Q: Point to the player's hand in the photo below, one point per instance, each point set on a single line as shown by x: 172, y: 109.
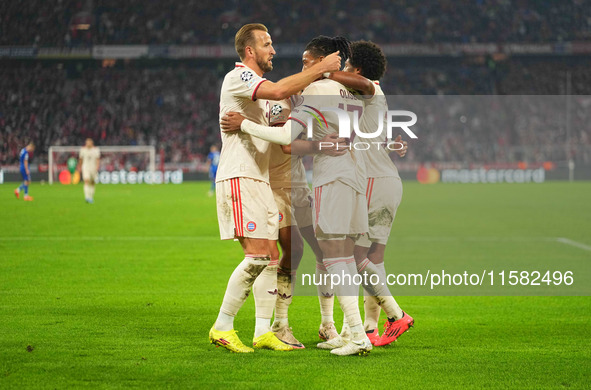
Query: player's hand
x: 330, y: 63
x: 332, y: 145
x: 231, y: 122
x: 401, y: 146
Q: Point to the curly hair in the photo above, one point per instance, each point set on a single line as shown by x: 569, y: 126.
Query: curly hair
x: 323, y: 46
x: 370, y: 58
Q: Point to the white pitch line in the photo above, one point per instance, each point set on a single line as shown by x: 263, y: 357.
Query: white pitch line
x: 573, y: 243
x: 110, y: 238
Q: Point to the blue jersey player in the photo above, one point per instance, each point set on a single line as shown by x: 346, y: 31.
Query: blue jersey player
x: 25, y: 171
x: 213, y: 158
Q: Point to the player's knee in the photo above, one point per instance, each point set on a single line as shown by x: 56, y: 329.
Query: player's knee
x: 297, y: 250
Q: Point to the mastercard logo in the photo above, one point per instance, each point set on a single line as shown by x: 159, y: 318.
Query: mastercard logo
x: 65, y: 177
x: 428, y: 175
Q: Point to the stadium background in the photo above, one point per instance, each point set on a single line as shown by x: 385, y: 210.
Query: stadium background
x: 122, y: 293
x: 69, y: 71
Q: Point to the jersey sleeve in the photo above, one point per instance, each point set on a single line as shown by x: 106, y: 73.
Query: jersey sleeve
x: 245, y: 83
x: 277, y: 135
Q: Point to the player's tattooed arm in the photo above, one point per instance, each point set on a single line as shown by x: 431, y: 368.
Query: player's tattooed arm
x: 291, y: 85
x: 355, y: 82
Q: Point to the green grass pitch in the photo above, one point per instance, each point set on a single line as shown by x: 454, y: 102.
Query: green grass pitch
x: 122, y: 294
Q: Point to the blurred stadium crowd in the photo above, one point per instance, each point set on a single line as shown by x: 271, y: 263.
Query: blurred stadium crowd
x: 176, y: 108
x: 57, y: 23
x: 174, y: 104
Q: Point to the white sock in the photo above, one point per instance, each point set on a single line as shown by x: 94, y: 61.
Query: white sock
x: 262, y: 326
x: 380, y: 289
x: 238, y: 289
x: 347, y: 293
x: 86, y: 191
x: 224, y: 322
x: 371, y: 307
x: 91, y: 191
x: 265, y: 296
x: 325, y: 294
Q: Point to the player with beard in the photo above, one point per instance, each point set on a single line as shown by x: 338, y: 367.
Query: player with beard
x: 245, y: 205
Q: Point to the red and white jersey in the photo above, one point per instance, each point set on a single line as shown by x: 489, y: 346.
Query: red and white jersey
x: 285, y: 170
x: 243, y: 155
x: 377, y: 161
x: 326, y: 93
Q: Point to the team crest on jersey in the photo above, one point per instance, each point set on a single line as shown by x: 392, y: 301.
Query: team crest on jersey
x: 251, y: 226
x: 280, y: 217
x: 246, y: 76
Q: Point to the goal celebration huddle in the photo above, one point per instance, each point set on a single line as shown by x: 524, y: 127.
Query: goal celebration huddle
x: 264, y: 202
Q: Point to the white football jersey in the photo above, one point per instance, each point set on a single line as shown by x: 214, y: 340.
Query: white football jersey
x: 377, y: 161
x: 285, y: 170
x: 89, y: 157
x: 243, y: 155
x: 327, y: 93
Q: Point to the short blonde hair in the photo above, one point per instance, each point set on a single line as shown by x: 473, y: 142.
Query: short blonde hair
x: 245, y: 37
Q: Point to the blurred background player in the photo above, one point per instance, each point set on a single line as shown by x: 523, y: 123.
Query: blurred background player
x: 384, y: 194
x: 25, y: 172
x: 213, y: 159
x: 245, y: 205
x: 89, y: 163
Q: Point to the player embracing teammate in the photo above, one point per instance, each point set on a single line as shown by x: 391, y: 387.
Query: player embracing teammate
x: 342, y: 198
x: 384, y: 194
x: 245, y: 205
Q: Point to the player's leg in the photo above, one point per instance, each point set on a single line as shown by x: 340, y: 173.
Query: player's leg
x: 386, y: 197
x: 212, y: 180
x: 398, y: 321
x: 241, y: 217
x: 92, y: 185
x: 86, y: 176
x: 342, y: 209
x: 341, y: 266
x: 284, y: 279
x: 26, y: 184
x: 327, y: 329
x: 265, y: 286
x: 371, y: 308
x: 256, y: 258
x: 86, y: 190
x: 17, y: 191
x: 292, y: 248
x: 265, y: 292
